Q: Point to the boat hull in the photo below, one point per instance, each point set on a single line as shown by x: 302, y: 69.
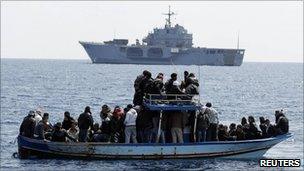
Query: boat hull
x: 31, y: 147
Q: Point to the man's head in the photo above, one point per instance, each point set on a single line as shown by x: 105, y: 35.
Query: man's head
x: 67, y: 115
x: 145, y: 72
x: 87, y: 109
x: 160, y: 76
x: 186, y: 73
x: 105, y: 108
x: 31, y: 113
x: 148, y: 75
x: 45, y: 117
x: 262, y: 120
x: 208, y: 104
x: 129, y: 106
x: 232, y: 126
x: 57, y: 126
x: 174, y: 76
x: 251, y: 119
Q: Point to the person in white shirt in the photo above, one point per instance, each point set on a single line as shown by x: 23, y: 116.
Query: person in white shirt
x: 38, y: 116
x: 130, y: 123
x: 212, y: 115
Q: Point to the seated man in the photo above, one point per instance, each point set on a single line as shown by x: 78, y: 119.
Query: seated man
x: 44, y: 128
x: 27, y: 126
x: 59, y: 134
x: 240, y: 134
x: 282, y: 124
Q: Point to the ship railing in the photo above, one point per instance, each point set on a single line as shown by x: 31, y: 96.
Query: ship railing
x: 172, y: 101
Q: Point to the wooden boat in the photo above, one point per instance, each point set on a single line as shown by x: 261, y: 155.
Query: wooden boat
x: 231, y: 149
x: 250, y: 149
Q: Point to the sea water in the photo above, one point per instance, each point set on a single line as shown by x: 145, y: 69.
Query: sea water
x: 56, y: 86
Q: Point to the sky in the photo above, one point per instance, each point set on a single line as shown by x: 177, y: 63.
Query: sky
x: 268, y: 31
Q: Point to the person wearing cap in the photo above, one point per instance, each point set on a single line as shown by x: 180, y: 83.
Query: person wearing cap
x: 130, y: 124
x: 27, y: 127
x: 85, y: 122
x: 105, y: 116
x: 67, y: 121
x: 116, y: 125
x: 44, y: 128
x: 60, y: 135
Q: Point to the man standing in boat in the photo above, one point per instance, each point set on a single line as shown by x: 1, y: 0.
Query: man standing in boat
x: 138, y: 95
x: 213, y: 119
x: 85, y: 121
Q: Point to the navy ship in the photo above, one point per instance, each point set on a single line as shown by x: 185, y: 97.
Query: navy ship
x: 171, y: 45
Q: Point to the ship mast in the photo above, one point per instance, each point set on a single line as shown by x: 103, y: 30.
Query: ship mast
x: 169, y: 14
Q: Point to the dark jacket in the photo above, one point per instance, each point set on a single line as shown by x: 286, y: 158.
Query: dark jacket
x: 67, y: 124
x: 202, y: 121
x: 263, y: 128
x: 105, y: 125
x: 61, y: 135
x: 137, y: 82
x: 253, y: 132
x: 39, y: 130
x: 222, y: 135
x: 27, y: 127
x: 271, y: 131
x: 192, y: 89
x: 157, y: 87
x: 85, y: 121
x: 282, y: 125
x: 116, y: 125
x: 240, y: 135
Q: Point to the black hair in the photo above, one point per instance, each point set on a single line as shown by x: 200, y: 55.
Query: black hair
x: 87, y: 109
x: 191, y: 75
x: 173, y: 75
x: 208, y: 104
x: 244, y: 121
x: 129, y: 106
x: 262, y: 119
x: 67, y: 113
x: 186, y: 73
x: 145, y: 72
x: 148, y: 75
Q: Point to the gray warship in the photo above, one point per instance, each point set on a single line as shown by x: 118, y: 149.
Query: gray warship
x: 171, y: 45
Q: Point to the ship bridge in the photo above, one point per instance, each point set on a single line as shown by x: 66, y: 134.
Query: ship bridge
x: 169, y: 36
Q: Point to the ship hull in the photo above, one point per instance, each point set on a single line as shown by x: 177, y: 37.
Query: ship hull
x: 148, y: 55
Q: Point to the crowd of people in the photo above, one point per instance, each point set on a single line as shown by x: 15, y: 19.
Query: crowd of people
x: 137, y: 124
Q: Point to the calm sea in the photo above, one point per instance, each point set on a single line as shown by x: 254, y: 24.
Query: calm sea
x: 69, y: 85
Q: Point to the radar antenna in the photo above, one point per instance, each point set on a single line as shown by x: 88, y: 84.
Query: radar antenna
x: 169, y: 14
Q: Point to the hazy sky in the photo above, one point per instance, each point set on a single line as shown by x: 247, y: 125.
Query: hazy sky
x: 269, y: 31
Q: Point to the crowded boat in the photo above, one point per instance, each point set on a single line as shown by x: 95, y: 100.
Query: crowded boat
x: 136, y: 123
